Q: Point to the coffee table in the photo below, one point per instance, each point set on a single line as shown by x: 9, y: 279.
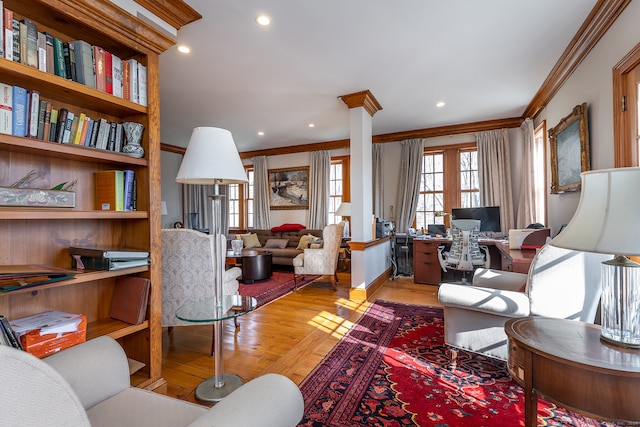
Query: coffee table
x: 256, y: 265
x: 215, y: 388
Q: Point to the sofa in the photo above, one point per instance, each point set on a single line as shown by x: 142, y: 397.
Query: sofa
x: 88, y: 384
x: 283, y: 242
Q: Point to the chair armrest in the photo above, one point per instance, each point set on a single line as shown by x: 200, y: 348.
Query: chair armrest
x: 485, y: 300
x: 498, y: 279
x: 271, y: 400
x: 96, y: 369
x: 231, y: 274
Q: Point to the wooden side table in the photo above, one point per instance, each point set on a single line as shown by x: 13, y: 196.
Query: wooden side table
x: 565, y: 362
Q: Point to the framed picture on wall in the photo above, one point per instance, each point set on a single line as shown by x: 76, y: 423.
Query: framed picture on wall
x: 569, y: 144
x: 289, y: 188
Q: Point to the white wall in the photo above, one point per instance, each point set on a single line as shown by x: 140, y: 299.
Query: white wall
x: 592, y: 83
x: 171, y: 193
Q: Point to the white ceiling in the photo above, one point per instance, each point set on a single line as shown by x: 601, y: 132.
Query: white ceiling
x: 485, y: 59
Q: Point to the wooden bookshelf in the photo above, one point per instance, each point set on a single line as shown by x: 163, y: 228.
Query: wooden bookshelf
x: 43, y: 235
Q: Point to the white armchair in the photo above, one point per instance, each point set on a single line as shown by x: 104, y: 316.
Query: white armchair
x: 88, y: 385
x: 187, y: 271
x: 324, y: 260
x: 561, y: 283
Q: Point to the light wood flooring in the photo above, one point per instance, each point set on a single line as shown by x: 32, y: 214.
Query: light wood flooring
x: 289, y: 336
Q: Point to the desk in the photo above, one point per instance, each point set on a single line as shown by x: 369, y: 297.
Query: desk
x: 565, y: 362
x: 220, y: 385
x: 426, y: 266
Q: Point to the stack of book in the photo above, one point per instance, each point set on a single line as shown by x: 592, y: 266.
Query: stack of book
x: 85, y: 258
x: 14, y: 277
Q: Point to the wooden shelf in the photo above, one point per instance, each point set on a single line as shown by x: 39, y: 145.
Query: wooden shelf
x: 67, y: 214
x: 114, y: 328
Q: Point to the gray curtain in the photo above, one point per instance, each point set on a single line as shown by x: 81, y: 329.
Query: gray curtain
x: 494, y: 172
x: 261, y: 217
x: 196, y: 199
x: 319, y: 173
x: 527, y: 200
x: 378, y: 180
x: 409, y: 183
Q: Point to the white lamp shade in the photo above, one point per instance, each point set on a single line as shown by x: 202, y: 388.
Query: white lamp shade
x: 608, y: 216
x: 344, y: 209
x: 211, y: 158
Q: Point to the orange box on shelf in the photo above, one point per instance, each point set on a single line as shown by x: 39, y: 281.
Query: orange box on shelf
x: 49, y: 332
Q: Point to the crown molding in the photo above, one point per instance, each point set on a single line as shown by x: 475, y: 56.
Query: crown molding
x: 363, y: 99
x: 176, y: 13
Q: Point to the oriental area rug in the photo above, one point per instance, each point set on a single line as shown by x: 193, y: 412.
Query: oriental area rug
x: 392, y: 369
x: 280, y: 284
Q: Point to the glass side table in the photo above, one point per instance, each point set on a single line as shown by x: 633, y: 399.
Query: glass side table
x: 216, y: 388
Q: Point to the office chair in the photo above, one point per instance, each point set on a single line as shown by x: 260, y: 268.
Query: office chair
x: 465, y: 253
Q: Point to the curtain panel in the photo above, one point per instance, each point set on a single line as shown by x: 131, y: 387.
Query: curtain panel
x: 195, y: 199
x: 409, y: 183
x: 378, y: 180
x: 527, y: 200
x: 319, y: 173
x: 261, y: 214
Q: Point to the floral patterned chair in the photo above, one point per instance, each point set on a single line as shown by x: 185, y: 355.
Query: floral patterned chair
x: 323, y: 260
x: 187, y: 271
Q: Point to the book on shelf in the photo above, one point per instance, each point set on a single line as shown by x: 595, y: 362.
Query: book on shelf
x: 108, y: 72
x: 42, y: 52
x: 14, y: 277
x: 46, y: 333
x: 59, y: 65
x: 108, y: 264
x: 134, y: 94
x: 29, y: 47
x: 1, y: 29
x: 69, y: 52
x: 20, y: 97
x: 62, y: 119
x: 126, y: 80
x: 16, y: 40
x: 66, y: 130
x: 119, y: 138
x: 53, y: 125
x: 84, y: 63
x: 109, y: 190
x: 130, y: 299
x: 34, y: 107
x: 47, y: 122
x: 42, y: 111
x: 7, y: 22
x: 99, y: 67
x: 114, y: 253
x: 9, y: 335
x: 6, y: 107
x: 22, y: 39
x: 116, y: 75
x: 128, y: 189
x: 50, y: 52
x: 142, y: 84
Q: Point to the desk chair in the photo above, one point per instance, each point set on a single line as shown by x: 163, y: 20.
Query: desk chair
x: 465, y: 253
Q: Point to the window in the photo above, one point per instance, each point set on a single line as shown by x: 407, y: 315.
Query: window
x: 338, y: 187
x: 240, y: 197
x: 539, y: 173
x: 234, y: 205
x: 626, y: 109
x: 248, y: 197
x: 449, y: 180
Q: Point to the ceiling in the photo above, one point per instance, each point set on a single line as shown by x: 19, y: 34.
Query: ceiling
x: 485, y: 59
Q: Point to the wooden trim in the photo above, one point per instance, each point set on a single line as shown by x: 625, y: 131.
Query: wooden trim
x: 623, y: 139
x: 359, y: 294
x: 361, y: 246
x: 331, y: 145
x: 363, y: 99
x: 176, y: 13
x: 602, y: 16
x: 172, y: 148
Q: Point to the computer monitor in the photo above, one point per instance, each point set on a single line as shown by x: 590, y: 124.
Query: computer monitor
x: 489, y: 216
x: 435, y: 229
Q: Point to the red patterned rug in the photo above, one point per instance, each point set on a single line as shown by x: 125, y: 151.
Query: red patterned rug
x: 279, y: 285
x: 391, y: 369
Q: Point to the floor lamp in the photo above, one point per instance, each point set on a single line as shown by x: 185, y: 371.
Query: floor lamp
x: 212, y: 159
x: 607, y: 221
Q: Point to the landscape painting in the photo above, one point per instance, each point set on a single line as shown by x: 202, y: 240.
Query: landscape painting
x: 289, y: 188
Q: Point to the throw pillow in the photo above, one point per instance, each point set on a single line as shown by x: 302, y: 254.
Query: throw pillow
x: 250, y: 240
x: 288, y: 227
x: 305, y: 241
x: 276, y: 243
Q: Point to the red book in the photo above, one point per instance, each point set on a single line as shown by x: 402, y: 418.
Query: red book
x: 108, y: 71
x: 99, y: 63
x: 130, y: 299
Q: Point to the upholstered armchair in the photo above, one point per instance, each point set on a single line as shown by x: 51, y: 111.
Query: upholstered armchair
x: 323, y: 260
x: 187, y: 271
x: 88, y: 385
x: 561, y: 283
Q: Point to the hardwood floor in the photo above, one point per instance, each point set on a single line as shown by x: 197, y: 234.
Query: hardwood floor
x: 289, y: 336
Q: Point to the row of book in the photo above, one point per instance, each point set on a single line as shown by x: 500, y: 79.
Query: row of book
x: 77, y: 60
x: 115, y: 190
x: 24, y: 113
x: 88, y: 258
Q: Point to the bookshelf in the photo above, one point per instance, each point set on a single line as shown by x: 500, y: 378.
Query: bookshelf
x: 43, y: 235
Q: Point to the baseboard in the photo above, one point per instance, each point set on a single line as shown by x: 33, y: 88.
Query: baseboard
x: 359, y: 294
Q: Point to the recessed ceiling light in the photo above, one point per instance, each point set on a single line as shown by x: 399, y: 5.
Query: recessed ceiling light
x: 263, y: 20
x: 440, y: 104
x: 261, y: 133
x: 184, y: 49
x: 311, y: 125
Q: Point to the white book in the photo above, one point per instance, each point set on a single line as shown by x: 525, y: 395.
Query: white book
x: 133, y: 81
x: 116, y: 72
x: 142, y: 84
x: 67, y: 127
x: 34, y: 110
x: 8, y: 37
x: 6, y: 108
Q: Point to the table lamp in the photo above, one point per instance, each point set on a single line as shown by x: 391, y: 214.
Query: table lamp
x: 608, y: 221
x: 344, y: 210
x: 212, y: 158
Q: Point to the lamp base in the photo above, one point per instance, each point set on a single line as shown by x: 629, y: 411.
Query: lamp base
x: 621, y: 302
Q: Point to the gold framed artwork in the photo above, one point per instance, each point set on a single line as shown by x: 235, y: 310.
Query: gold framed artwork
x: 569, y: 144
x: 289, y: 188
